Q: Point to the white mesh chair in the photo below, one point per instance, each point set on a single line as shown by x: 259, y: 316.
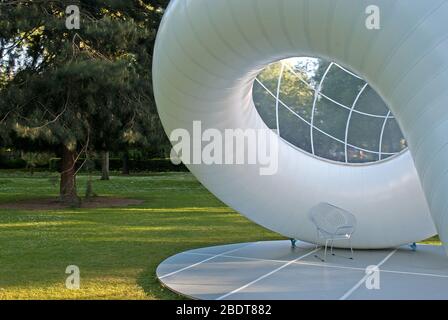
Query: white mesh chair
x: 332, y: 224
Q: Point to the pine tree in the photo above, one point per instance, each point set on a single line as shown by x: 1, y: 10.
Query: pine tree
x: 77, y: 90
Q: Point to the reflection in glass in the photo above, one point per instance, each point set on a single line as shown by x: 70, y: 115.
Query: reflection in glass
x: 341, y: 86
x: 365, y: 131
x: 328, y: 148
x: 293, y: 130
x: 327, y: 110
x: 360, y: 156
x: 328, y: 117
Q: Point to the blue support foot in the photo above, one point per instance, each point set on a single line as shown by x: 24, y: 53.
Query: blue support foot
x: 293, y: 243
x: 413, y: 246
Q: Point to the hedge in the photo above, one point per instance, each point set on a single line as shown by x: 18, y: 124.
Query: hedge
x: 115, y: 164
x: 12, y: 164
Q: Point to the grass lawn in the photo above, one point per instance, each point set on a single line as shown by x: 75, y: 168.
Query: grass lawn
x: 116, y: 249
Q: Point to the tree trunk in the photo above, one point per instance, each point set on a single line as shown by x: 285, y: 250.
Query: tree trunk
x: 104, y: 165
x: 125, y: 159
x: 67, y: 192
x: 89, y: 187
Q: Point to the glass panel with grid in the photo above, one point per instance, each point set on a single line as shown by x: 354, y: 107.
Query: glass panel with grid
x: 327, y: 110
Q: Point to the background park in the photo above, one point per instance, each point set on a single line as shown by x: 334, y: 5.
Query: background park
x: 85, y: 175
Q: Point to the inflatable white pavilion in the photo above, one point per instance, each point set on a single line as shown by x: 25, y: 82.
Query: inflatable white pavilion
x: 208, y: 59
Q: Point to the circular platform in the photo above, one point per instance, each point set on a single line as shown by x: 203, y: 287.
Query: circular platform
x: 271, y: 270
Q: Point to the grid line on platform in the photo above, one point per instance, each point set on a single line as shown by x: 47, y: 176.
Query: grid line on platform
x: 266, y: 275
x: 202, y: 261
x: 289, y: 273
x: 363, y: 280
x: 306, y: 263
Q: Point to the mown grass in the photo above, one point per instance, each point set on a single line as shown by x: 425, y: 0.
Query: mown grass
x: 116, y: 249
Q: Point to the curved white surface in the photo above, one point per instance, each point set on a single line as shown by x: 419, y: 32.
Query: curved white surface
x: 206, y: 58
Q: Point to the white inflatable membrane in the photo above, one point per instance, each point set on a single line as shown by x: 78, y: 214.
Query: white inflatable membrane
x: 208, y: 53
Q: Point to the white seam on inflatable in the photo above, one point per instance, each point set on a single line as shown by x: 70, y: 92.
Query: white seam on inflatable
x: 409, y: 70
x: 206, y: 48
x: 389, y: 58
x: 220, y: 36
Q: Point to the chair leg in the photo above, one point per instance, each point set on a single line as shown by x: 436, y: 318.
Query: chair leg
x: 317, y: 239
x: 351, y: 247
x: 326, y: 246
x: 342, y: 255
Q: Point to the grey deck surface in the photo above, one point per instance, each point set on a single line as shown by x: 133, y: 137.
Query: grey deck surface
x: 273, y: 270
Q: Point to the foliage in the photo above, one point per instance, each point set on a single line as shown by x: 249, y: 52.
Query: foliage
x: 78, y: 90
x: 293, y: 93
x: 91, y: 85
x: 115, y: 164
x: 34, y: 159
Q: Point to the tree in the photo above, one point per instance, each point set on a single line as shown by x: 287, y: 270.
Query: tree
x: 105, y: 165
x: 75, y: 91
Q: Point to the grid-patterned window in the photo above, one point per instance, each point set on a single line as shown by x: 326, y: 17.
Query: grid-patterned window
x: 327, y: 110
